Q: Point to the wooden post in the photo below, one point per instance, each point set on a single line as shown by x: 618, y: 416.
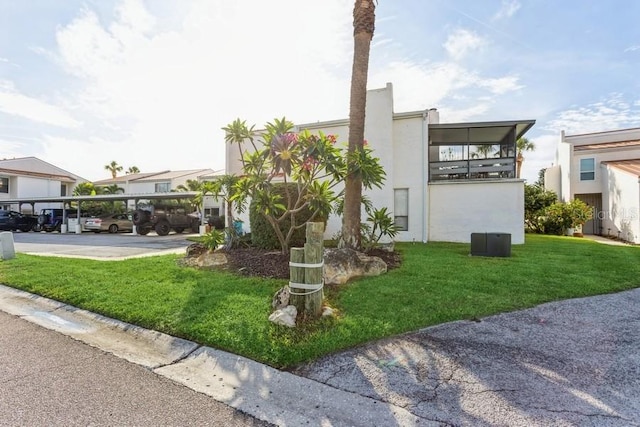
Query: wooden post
x: 308, y: 299
x: 313, y: 254
x: 296, y: 275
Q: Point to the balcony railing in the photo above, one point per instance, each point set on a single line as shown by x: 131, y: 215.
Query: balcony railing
x: 496, y: 168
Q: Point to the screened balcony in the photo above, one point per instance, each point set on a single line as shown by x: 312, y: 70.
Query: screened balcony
x: 474, y: 151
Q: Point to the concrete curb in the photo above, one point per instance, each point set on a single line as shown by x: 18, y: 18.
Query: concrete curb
x: 263, y: 392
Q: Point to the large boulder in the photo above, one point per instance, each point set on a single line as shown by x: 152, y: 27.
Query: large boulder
x: 341, y: 265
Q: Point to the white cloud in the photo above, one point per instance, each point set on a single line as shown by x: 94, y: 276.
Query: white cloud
x: 632, y: 48
x: 461, y: 42
x: 501, y: 85
x: 150, y: 87
x: 14, y: 103
x: 507, y: 9
x: 611, y: 113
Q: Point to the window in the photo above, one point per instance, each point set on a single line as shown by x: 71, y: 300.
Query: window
x: 587, y: 169
x: 401, y: 208
x: 4, y: 185
x: 63, y: 189
x: 163, y: 187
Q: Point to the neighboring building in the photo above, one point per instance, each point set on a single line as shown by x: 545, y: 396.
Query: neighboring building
x: 603, y: 170
x: 443, y: 181
x: 163, y: 182
x: 31, y: 177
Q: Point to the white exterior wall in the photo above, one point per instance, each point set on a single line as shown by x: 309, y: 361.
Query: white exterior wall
x: 552, y: 180
x: 379, y: 135
x: 563, y: 160
x: 621, y: 204
x: 410, y: 139
x: 458, y: 209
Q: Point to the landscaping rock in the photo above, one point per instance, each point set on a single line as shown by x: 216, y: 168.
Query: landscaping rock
x: 206, y: 260
x: 341, y: 265
x: 196, y: 249
x: 281, y: 298
x: 285, y: 316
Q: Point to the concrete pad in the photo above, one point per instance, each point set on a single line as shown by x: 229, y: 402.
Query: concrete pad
x: 279, y: 397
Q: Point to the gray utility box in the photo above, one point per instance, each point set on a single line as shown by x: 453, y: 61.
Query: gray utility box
x: 491, y: 244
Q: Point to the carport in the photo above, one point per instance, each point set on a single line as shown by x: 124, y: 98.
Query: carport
x: 66, y: 201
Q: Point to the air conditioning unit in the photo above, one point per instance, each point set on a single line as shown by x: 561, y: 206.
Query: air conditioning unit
x: 491, y: 244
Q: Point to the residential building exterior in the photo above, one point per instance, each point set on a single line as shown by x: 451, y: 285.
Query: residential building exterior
x: 162, y: 182
x: 603, y: 170
x: 31, y: 177
x: 444, y: 181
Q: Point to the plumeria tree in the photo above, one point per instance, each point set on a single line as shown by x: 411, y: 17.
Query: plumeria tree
x: 313, y: 163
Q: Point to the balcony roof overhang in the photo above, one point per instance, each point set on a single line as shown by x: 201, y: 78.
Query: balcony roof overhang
x: 477, y: 132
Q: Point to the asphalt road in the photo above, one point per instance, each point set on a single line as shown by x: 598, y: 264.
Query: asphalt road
x: 101, y: 246
x: 47, y: 379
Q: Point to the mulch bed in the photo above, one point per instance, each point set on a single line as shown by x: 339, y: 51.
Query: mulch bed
x: 273, y: 264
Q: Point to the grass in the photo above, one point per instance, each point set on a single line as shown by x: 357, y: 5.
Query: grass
x: 438, y: 282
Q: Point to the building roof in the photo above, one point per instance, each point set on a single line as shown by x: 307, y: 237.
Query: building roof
x: 154, y: 176
x: 605, y: 145
x: 631, y: 166
x: 32, y: 166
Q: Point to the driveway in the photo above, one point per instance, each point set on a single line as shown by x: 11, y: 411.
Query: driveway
x: 100, y: 246
x: 568, y: 363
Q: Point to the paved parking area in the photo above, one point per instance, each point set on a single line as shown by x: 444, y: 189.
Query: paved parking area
x: 101, y: 246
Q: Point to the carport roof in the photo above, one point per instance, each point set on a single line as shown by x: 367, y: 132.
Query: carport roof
x: 104, y: 197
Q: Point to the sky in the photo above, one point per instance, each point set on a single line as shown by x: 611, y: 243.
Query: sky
x: 151, y: 83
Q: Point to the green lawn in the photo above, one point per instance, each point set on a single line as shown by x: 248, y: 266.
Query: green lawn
x: 438, y: 282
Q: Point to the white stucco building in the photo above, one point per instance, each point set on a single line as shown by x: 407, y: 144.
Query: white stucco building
x: 27, y: 177
x: 164, y: 182
x: 603, y: 170
x: 444, y: 181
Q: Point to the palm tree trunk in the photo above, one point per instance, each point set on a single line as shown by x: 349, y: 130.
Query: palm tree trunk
x: 519, y: 160
x: 363, y: 24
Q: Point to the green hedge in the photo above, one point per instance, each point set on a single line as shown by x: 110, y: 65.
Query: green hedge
x: 263, y: 235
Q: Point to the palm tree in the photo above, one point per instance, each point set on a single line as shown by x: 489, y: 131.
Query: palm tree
x: 522, y: 144
x: 364, y: 18
x: 114, y: 168
x: 482, y: 150
x: 112, y: 189
x: 190, y: 185
x: 236, y: 133
x: 84, y: 189
x: 132, y: 170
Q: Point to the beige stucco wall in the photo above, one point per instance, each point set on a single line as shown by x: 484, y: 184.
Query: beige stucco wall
x: 459, y: 209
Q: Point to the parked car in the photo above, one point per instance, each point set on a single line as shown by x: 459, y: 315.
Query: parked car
x: 112, y: 223
x: 50, y: 220
x: 12, y: 221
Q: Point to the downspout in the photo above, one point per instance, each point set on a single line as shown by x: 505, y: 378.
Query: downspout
x: 425, y: 192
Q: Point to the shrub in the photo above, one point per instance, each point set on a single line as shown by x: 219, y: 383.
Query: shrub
x: 560, y: 216
x: 263, y: 234
x: 213, y: 239
x: 216, y: 221
x: 536, y: 200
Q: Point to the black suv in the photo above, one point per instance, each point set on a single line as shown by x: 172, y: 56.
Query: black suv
x: 163, y: 219
x: 12, y: 221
